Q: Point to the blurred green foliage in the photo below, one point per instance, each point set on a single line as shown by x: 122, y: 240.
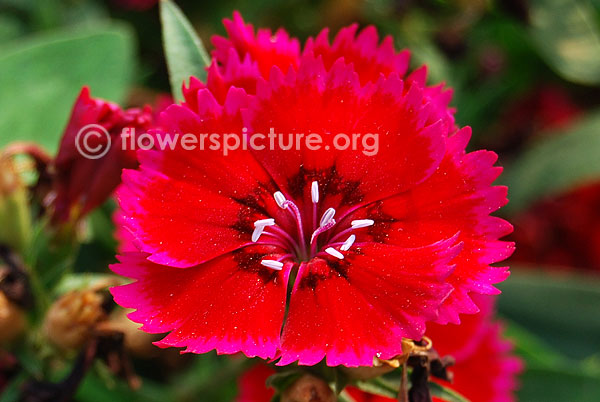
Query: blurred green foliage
x: 40, y: 77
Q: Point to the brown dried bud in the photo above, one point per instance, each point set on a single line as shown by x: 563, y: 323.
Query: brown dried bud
x: 137, y: 342
x: 308, y: 388
x: 71, y: 319
x: 12, y: 320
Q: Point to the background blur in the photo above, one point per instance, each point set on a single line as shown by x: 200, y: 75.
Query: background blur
x: 526, y: 75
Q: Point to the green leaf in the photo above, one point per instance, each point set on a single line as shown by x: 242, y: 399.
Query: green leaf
x: 94, y: 389
x: 563, y: 161
x: 339, y: 381
x: 560, y: 309
x: 567, y: 36
x: 10, y: 28
x: 558, y: 385
x: 211, y: 377
x: 184, y: 51
x: 41, y: 77
x: 527, y: 345
x: 550, y: 376
x: 342, y: 397
x: 378, y: 386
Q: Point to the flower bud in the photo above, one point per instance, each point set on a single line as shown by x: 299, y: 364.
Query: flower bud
x: 15, y: 230
x: 71, y: 320
x: 91, y: 156
x: 308, y: 388
x: 12, y: 320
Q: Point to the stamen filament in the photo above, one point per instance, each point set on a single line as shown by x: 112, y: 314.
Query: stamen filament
x: 341, y: 234
x: 290, y: 206
x: 285, y: 256
x: 283, y: 238
x: 316, y: 233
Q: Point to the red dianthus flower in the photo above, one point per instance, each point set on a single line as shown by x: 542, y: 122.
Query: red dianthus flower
x: 371, y: 247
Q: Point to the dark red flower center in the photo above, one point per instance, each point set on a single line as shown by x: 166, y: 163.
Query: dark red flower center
x: 325, y: 238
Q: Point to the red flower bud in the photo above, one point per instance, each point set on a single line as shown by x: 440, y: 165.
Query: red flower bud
x: 90, y: 159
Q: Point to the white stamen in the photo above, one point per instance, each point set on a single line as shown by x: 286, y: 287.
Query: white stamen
x: 257, y: 232
x: 264, y: 222
x: 327, y: 216
x: 314, y: 192
x: 280, y: 199
x: 348, y: 243
x: 333, y: 252
x: 276, y: 265
x: 362, y: 223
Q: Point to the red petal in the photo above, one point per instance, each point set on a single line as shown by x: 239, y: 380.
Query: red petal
x: 229, y: 304
x: 457, y: 198
x: 266, y: 48
x: 252, y: 387
x: 353, y: 309
x: 460, y: 341
x: 369, y: 58
x: 188, y: 206
x: 332, y: 102
x: 489, y: 374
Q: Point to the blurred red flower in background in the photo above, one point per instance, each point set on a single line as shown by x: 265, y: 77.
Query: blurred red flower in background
x: 562, y: 232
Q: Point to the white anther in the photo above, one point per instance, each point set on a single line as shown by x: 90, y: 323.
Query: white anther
x: 348, y: 243
x: 362, y: 223
x: 333, y: 252
x: 327, y: 216
x: 280, y: 199
x: 264, y: 222
x: 257, y: 232
x: 314, y: 192
x: 276, y: 265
